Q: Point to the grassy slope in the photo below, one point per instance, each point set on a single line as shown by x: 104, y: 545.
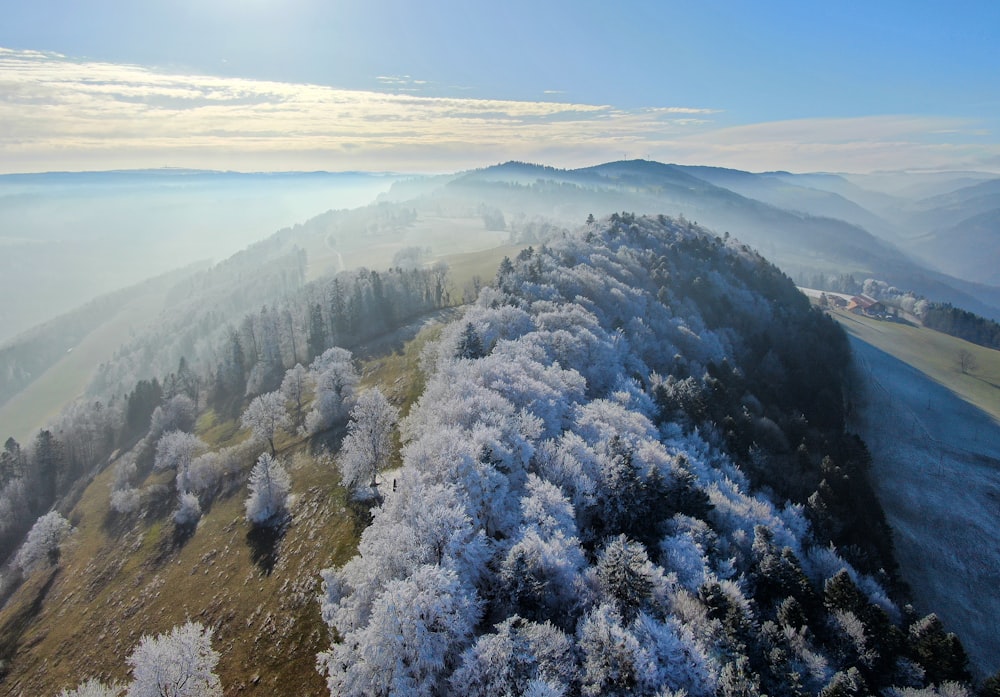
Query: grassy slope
x: 446, y: 237
x: 121, y: 579
x: 39, y: 402
x: 935, y: 460
x: 466, y: 266
x: 934, y: 354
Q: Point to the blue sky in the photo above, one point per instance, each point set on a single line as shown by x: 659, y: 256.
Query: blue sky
x: 435, y: 86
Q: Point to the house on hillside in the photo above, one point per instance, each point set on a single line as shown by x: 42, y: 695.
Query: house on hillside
x: 866, y: 305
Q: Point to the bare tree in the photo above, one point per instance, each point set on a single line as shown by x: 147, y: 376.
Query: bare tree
x: 966, y: 361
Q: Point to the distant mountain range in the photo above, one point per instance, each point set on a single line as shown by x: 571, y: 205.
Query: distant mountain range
x: 807, y: 224
x: 68, y: 237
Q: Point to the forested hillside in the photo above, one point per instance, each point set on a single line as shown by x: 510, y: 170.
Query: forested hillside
x: 628, y: 475
x: 230, y: 333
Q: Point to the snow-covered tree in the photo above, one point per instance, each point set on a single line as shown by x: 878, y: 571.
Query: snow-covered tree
x: 179, y: 663
x: 417, y: 629
x: 44, y: 541
x: 293, y: 388
x: 125, y: 470
x: 615, y: 663
x: 513, y: 657
x: 188, y: 509
x: 368, y: 444
x: 269, y: 488
x: 176, y: 414
x: 126, y: 500
x: 265, y: 416
x: 176, y: 450
x: 335, y: 377
x: 626, y: 576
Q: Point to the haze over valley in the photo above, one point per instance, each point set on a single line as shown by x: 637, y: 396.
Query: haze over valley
x: 559, y: 350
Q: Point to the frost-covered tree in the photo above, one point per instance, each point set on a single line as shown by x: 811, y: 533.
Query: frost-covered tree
x: 265, y: 416
x: 176, y: 414
x: 417, y: 628
x: 127, y: 500
x: 368, y: 444
x: 179, y: 663
x: 176, y: 450
x: 269, y: 489
x: 513, y: 657
x: 470, y: 345
x: 188, y: 509
x: 626, y: 576
x: 614, y: 661
x: 44, y: 541
x: 335, y: 377
x: 125, y: 470
x: 293, y: 388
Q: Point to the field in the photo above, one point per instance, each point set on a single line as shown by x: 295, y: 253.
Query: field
x: 444, y: 237
x: 934, y: 354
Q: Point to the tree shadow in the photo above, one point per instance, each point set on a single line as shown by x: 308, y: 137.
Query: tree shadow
x: 264, y: 542
x: 19, y: 621
x: 182, y: 533
x: 361, y: 512
x: 328, y: 440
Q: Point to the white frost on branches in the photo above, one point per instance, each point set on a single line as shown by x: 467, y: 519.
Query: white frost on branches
x: 368, y: 444
x: 269, y: 488
x: 265, y: 416
x: 336, y: 378
x: 179, y: 663
x: 188, y: 510
x: 43, y: 541
x: 94, y: 688
x: 176, y: 450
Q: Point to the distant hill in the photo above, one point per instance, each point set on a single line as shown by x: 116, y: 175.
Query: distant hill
x: 68, y: 237
x: 798, y: 193
x: 970, y: 248
x: 799, y: 241
x: 948, y: 210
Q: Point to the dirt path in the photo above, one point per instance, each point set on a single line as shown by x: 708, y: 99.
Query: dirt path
x: 937, y: 473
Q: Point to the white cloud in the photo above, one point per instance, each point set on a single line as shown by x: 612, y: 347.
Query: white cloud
x: 859, y: 144
x: 59, y: 113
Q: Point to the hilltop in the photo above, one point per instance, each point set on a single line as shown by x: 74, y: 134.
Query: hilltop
x: 627, y: 458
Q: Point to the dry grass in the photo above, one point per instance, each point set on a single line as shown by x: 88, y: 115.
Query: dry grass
x: 124, y: 577
x: 482, y: 265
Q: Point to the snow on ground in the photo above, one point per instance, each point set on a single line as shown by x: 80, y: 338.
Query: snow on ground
x: 937, y: 472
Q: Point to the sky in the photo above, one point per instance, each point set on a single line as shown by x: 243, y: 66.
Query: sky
x: 393, y: 85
